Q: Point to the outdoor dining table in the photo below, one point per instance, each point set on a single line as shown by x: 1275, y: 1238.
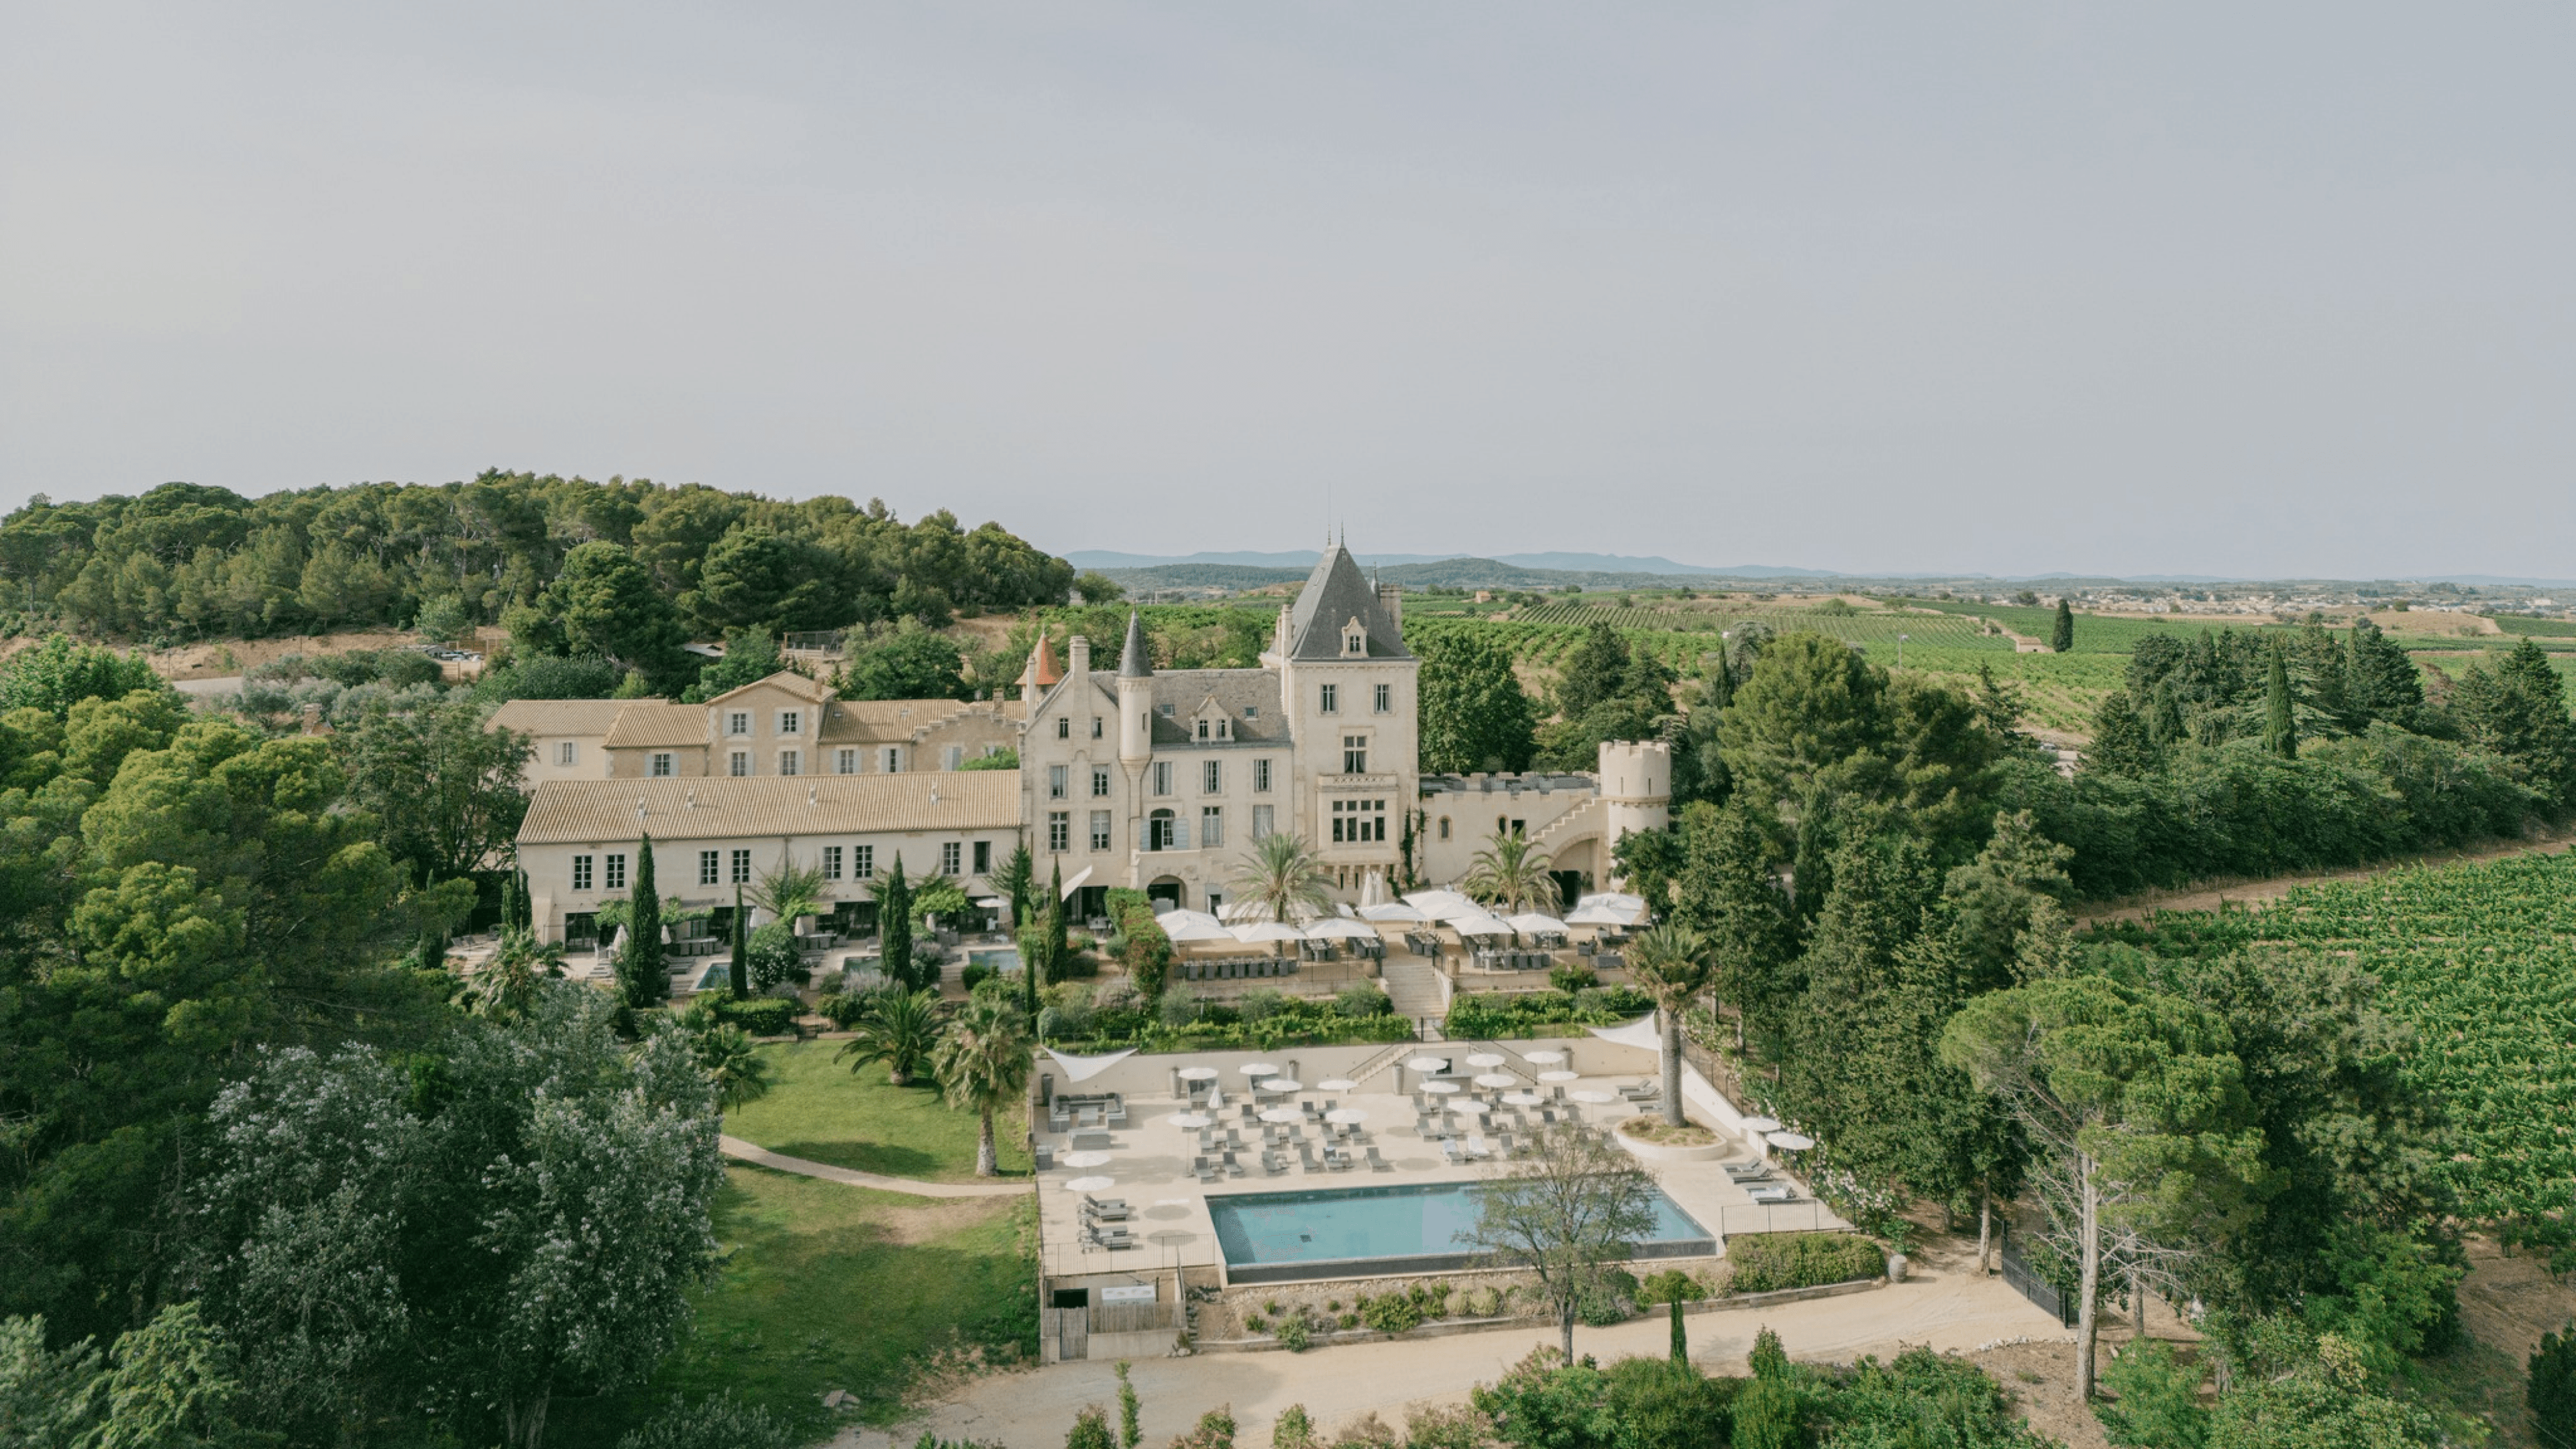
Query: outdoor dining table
x: 1497, y: 1080
x: 1559, y: 1075
x: 1440, y: 1089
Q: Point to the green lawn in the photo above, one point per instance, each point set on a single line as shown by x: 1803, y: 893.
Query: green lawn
x: 820, y: 1110
x: 829, y: 1287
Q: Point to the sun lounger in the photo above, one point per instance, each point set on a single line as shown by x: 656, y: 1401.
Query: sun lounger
x: 1772, y: 1192
x: 1108, y: 1207
x: 1377, y: 1163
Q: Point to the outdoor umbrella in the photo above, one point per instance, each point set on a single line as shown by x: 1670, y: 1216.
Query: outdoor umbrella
x: 1532, y: 923
x: 1440, y: 905
x: 1790, y: 1141
x: 1496, y: 1080
x: 1335, y: 1084
x: 1090, y: 1184
x: 1596, y: 916
x: 1393, y: 911
x: 1186, y: 932
x: 1761, y: 1124
x: 1267, y: 931
x: 1426, y: 1064
x: 1337, y: 928
x: 1484, y: 1059
x: 1480, y: 926
x: 1169, y: 919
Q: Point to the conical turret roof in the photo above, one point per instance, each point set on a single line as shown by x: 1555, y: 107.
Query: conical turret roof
x: 1134, y: 660
x: 1335, y: 594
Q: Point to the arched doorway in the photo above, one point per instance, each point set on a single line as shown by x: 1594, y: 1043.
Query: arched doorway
x: 1168, y: 892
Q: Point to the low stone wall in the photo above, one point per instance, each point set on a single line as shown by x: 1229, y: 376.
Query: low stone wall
x: 1448, y: 1327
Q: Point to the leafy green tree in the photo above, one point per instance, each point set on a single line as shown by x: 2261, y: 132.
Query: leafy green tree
x: 2551, y: 1394
x: 1129, y: 1432
x: 2329, y: 1400
x: 2061, y: 635
x: 726, y: 1053
x: 1671, y: 964
x: 758, y: 576
x: 982, y: 1065
x: 1999, y: 899
x: 2381, y: 681
x: 912, y: 663
x: 1017, y: 882
x: 1090, y: 1429
x: 1474, y: 714
x: 896, y: 1028
x: 609, y: 607
x: 1728, y: 891
x: 751, y: 655
x: 447, y: 791
x: 529, y: 675
x: 2156, y: 1399
x: 2135, y: 1108
x: 1597, y: 670
x: 1097, y: 588
x: 1813, y: 720
x: 2123, y: 744
x: 2518, y: 710
x: 1569, y: 1212
x: 59, y: 673
x: 643, y: 968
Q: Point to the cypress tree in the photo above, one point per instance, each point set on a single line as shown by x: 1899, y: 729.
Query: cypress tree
x: 510, y: 900
x: 894, y: 928
x: 2062, y: 637
x: 739, y: 976
x: 2280, y: 722
x: 643, y: 966
x: 1681, y: 1336
x: 1059, y: 950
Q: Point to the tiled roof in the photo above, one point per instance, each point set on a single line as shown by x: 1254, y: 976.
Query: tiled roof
x: 786, y: 679
x: 579, y: 812
x: 651, y: 723
x: 867, y: 721
x: 560, y: 716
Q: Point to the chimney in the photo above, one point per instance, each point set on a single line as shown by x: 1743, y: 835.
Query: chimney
x: 1390, y: 601
x: 1078, y: 653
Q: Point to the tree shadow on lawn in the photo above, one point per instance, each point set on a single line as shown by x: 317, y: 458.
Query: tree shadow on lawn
x: 887, y: 1158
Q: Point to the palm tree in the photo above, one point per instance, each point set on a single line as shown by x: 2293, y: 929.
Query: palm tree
x: 982, y: 1063
x: 506, y: 986
x: 898, y: 1028
x: 736, y: 1068
x: 789, y: 891
x: 1510, y: 875
x: 1280, y: 874
x: 1671, y: 964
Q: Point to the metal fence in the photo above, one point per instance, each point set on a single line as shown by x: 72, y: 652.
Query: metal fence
x: 2026, y: 1281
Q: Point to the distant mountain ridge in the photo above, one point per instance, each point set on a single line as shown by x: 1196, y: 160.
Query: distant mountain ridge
x: 1572, y: 563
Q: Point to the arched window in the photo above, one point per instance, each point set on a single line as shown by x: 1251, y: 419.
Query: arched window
x: 1158, y: 830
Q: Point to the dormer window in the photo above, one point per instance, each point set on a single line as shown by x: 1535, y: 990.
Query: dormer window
x: 1355, y: 642
x: 1164, y: 710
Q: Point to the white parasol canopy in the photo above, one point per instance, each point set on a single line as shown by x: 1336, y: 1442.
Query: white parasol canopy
x: 1468, y: 1109
x: 1198, y: 1074
x: 1259, y: 1069
x: 1441, y: 905
x: 1596, y: 916
x: 1346, y: 1115
x: 1254, y: 931
x: 1479, y: 926
x: 1283, y: 1084
x: 1373, y: 889
x: 1544, y: 1057
x: 1335, y: 1084
x: 1340, y: 928
x: 1394, y: 912
x: 1792, y: 1141
x: 1484, y: 1059
x: 1086, y: 1159
x: 1761, y: 1124
x: 1189, y: 931
x: 1559, y: 1074
x: 1440, y: 1089
x: 1521, y: 1099
x: 1192, y: 1120
x: 1497, y: 1080
x: 1090, y: 1184
x: 1426, y: 1064
x: 1177, y: 917
x: 1531, y: 923
x: 1616, y: 900
x: 1282, y: 1116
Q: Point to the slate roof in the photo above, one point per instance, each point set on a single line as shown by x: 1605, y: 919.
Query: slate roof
x: 582, y: 812
x: 1335, y: 593
x: 1135, y: 661
x: 1234, y: 690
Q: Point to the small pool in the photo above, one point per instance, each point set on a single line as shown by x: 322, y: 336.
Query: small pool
x: 1002, y: 959
x: 1278, y: 1237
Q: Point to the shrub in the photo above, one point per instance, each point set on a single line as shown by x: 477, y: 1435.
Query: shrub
x: 1771, y: 1262
x: 1360, y: 999
x: 1177, y: 1009
x: 1090, y: 1429
x: 1293, y: 1333
x: 1573, y: 978
x: 760, y: 1016
x: 774, y: 959
x: 1672, y: 1285
x: 717, y: 1423
x: 1261, y: 1002
x: 2157, y: 1404
x: 1348, y: 1321
x: 1484, y: 1303
x: 975, y: 974
x: 1293, y: 1430
x: 1391, y: 1312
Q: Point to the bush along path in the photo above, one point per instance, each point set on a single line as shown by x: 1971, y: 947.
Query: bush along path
x: 758, y: 1156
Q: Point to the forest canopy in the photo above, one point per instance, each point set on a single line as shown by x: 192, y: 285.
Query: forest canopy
x: 190, y: 561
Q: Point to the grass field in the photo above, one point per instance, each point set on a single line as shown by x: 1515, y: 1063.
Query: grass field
x: 2059, y: 691
x: 829, y: 1287
x: 821, y: 1111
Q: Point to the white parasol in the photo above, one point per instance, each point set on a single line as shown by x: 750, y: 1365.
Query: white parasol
x: 1531, y: 923
x: 1559, y: 1075
x: 1426, y: 1064
x: 1283, y: 1115
x: 1468, y: 1109
x: 1188, y: 932
x: 1283, y: 1084
x: 1090, y: 1184
x: 1192, y: 1120
x: 1335, y: 1084
x: 1086, y: 1159
x: 1440, y: 1089
x: 1521, y: 1099
x: 1761, y: 1124
x: 1174, y: 918
x: 1790, y: 1141
x: 1198, y: 1074
x: 1259, y: 1069
x: 1545, y: 1058
x: 1339, y: 928
x: 1267, y: 931
x: 1479, y: 925
x: 1346, y: 1115
x: 1393, y: 912
x: 1484, y: 1059
x: 1497, y: 1080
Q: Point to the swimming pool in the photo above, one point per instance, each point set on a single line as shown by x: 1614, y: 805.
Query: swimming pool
x: 1278, y: 1237
x: 1003, y: 960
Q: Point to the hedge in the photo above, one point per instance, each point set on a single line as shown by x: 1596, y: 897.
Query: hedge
x: 761, y: 1016
x: 1491, y: 1015
x: 1770, y: 1262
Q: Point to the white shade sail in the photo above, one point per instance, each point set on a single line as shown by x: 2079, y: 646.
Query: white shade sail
x: 1077, y: 1069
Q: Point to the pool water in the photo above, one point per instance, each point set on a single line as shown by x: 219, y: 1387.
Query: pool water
x: 1271, y: 1237
x: 1003, y: 959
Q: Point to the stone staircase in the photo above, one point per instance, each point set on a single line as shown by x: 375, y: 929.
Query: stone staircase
x: 1413, y: 984
x: 1583, y: 819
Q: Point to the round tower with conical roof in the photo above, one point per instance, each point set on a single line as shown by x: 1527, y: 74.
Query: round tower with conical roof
x: 1135, y: 695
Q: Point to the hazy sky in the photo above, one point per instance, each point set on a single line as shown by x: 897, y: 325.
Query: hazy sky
x: 2228, y: 289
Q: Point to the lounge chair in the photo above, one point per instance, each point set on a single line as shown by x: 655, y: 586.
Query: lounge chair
x: 1233, y: 1165
x: 1274, y: 1163
x: 1045, y: 1155
x: 1112, y: 1238
x: 1203, y: 1170
x: 1449, y: 1149
x: 1110, y: 1207
x: 1377, y: 1163
x: 1771, y: 1192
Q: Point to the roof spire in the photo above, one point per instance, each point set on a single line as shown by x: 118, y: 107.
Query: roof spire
x: 1134, y: 661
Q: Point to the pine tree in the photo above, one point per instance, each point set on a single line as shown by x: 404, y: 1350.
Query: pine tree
x: 739, y: 976
x: 2062, y: 637
x: 2280, y: 720
x: 2122, y: 742
x: 643, y: 968
x: 1726, y: 891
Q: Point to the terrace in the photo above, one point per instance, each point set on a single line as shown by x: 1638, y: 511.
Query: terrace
x: 1161, y: 1171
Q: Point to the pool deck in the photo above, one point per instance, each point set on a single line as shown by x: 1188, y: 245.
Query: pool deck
x: 1149, y: 1162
